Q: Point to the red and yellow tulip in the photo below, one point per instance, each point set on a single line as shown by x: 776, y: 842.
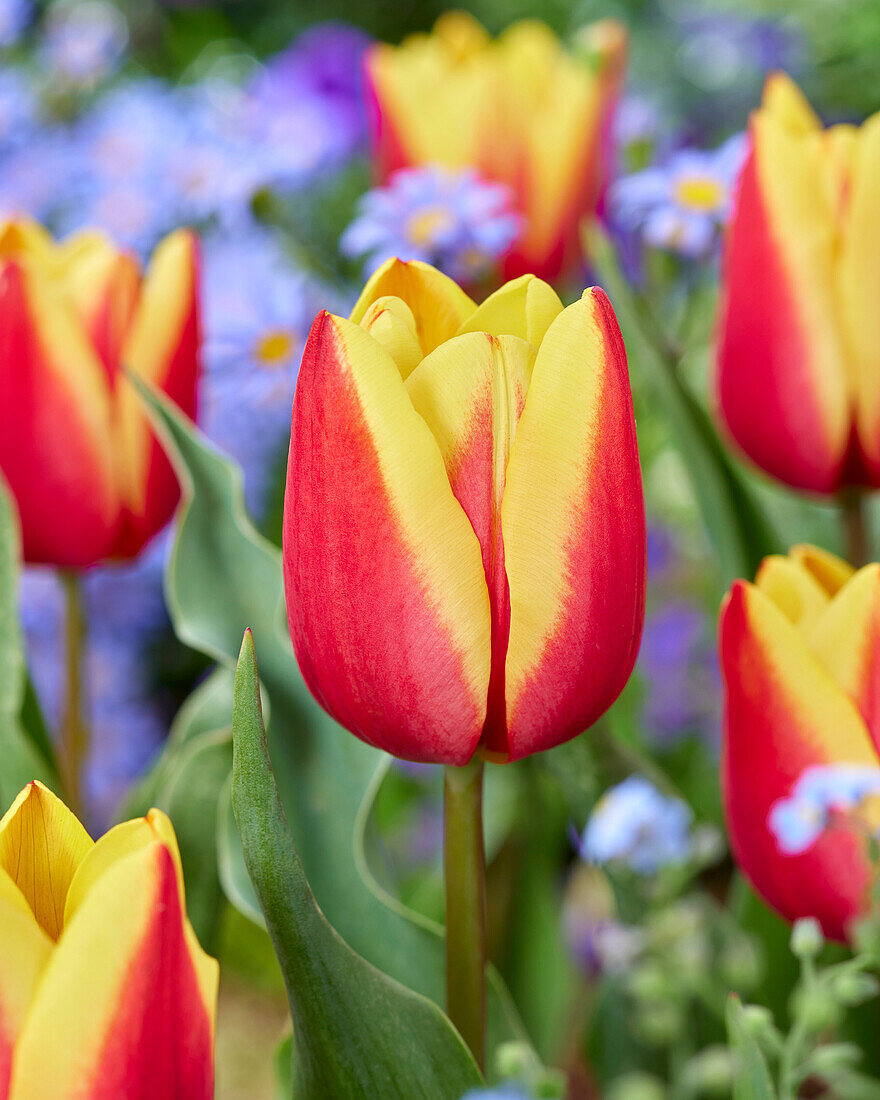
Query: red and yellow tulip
x: 464, y: 539
x: 800, y: 656
x: 521, y: 110
x: 104, y: 990
x: 89, y: 476
x: 799, y: 350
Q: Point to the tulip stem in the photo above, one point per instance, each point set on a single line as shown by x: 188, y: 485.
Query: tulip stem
x: 855, y: 527
x: 74, y: 733
x: 465, y: 871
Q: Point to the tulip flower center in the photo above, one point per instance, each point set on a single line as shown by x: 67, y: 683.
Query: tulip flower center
x: 702, y: 193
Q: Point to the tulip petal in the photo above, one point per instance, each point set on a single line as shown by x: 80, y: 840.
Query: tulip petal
x: 846, y: 640
x: 386, y: 596
x: 859, y: 277
x: 55, y: 424
x: 439, y: 306
x: 784, y: 713
x: 574, y: 534
x: 793, y: 588
x: 830, y: 571
x: 163, y: 348
x: 391, y: 323
x: 782, y: 376
x: 24, y: 951
x: 471, y: 392
x: 125, y: 1006
x: 41, y: 845
x: 524, y: 307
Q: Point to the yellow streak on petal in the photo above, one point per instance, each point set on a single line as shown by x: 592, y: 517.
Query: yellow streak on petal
x: 828, y: 569
x: 844, y: 637
x: 793, y: 588
x: 41, y: 846
x: 390, y: 321
x: 438, y: 305
x: 524, y: 307
x: 24, y: 951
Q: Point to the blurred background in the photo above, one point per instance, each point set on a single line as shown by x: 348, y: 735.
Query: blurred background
x: 246, y: 119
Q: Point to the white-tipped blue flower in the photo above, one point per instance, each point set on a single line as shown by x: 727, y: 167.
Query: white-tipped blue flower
x: 456, y: 221
x: 821, y: 792
x: 681, y: 205
x: 637, y: 825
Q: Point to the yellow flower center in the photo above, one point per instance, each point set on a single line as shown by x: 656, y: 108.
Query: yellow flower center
x: 274, y: 347
x: 424, y: 226
x: 699, y: 193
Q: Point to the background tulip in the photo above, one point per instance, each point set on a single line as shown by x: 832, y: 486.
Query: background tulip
x: 90, y: 479
x: 520, y: 109
x: 799, y: 344
x: 800, y: 654
x: 464, y: 541
x: 104, y: 990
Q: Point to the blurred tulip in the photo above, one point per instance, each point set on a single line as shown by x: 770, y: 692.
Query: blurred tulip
x: 89, y: 476
x: 104, y: 990
x: 800, y: 656
x: 520, y: 110
x: 464, y: 532
x: 799, y: 350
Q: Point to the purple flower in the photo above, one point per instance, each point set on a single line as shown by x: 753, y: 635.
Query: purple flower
x: 635, y: 824
x: 681, y: 205
x: 821, y: 792
x: 15, y: 16
x: 453, y: 220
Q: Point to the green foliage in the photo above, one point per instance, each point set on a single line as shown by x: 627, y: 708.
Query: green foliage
x: 356, y: 1033
x: 24, y: 747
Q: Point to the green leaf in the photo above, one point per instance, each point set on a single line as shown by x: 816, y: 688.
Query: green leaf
x: 24, y: 747
x: 752, y: 1079
x: 737, y: 524
x: 356, y: 1032
x: 222, y: 578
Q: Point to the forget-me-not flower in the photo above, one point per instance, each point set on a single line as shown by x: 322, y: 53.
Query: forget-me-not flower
x: 821, y: 792
x: 635, y: 824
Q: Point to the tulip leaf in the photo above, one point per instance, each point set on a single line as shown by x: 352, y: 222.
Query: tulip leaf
x: 222, y: 578
x: 356, y: 1032
x: 24, y: 747
x: 736, y: 522
x: 752, y: 1078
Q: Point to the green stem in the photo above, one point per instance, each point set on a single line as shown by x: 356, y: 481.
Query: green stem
x: 855, y: 527
x: 74, y: 733
x: 465, y: 871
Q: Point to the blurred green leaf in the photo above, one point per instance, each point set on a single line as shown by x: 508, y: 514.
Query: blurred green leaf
x: 223, y: 577
x: 752, y: 1078
x: 24, y: 747
x: 740, y: 530
x: 356, y: 1032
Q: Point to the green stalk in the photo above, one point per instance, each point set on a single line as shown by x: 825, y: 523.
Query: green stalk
x: 74, y: 733
x: 855, y: 527
x: 465, y: 872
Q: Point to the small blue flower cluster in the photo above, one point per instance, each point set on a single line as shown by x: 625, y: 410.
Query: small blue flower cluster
x: 822, y: 793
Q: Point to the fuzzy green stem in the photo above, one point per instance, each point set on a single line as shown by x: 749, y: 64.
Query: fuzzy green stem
x: 465, y: 871
x: 855, y: 527
x: 74, y: 733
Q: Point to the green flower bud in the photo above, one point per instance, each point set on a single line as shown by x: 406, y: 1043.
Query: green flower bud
x: 816, y: 1009
x: 636, y: 1086
x: 806, y: 938
x: 710, y: 1072
x: 827, y: 1061
x: 659, y: 1023
x: 853, y: 988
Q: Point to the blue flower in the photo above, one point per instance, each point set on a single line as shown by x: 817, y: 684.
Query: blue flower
x: 15, y: 16
x: 637, y: 825
x: 84, y: 42
x: 453, y: 220
x: 257, y: 312
x: 821, y: 792
x: 19, y: 112
x: 680, y: 206
x: 511, y: 1091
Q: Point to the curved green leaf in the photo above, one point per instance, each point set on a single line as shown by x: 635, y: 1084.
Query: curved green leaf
x: 752, y: 1080
x: 356, y: 1033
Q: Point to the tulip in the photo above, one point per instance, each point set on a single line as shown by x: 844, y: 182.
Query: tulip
x: 104, y: 990
x: 800, y: 656
x: 799, y: 348
x: 521, y: 110
x: 464, y: 533
x: 89, y: 476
